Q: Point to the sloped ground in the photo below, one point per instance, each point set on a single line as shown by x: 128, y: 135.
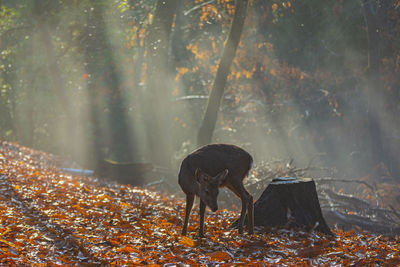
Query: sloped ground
x: 51, y: 218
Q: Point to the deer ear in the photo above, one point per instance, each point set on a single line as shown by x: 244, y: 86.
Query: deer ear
x: 221, y: 177
x: 199, y: 175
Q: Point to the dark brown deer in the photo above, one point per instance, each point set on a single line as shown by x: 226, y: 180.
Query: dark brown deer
x: 210, y: 167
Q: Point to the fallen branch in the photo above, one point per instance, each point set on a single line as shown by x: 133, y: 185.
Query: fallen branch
x: 351, y: 221
x: 359, y: 204
x: 335, y: 180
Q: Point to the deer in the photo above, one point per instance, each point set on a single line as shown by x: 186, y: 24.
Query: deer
x: 209, y: 168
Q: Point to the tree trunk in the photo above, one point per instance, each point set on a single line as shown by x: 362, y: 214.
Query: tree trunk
x: 210, y: 117
x: 6, y: 122
x: 66, y: 130
x: 157, y: 84
x: 23, y: 102
x: 103, y: 73
x: 52, y: 64
x: 92, y: 53
x: 177, y: 44
x: 291, y: 202
x: 137, y: 72
x: 374, y: 99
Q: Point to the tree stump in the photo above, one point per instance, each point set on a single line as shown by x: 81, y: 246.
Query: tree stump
x: 290, y: 202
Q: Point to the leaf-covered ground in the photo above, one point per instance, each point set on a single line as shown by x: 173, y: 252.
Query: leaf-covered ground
x: 48, y: 217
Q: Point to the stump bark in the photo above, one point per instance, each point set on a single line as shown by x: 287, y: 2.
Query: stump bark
x: 290, y: 202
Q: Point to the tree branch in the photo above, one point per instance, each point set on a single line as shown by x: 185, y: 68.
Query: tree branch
x: 197, y: 7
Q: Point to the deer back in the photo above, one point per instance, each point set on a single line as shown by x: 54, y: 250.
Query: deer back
x: 212, y: 160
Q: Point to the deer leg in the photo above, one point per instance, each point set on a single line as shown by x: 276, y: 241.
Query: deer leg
x: 250, y: 214
x: 242, y: 214
x: 202, y: 211
x: 241, y: 192
x: 247, y: 204
x: 189, y: 205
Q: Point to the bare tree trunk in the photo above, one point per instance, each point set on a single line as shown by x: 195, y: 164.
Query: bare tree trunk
x: 66, y: 121
x: 91, y: 52
x: 374, y: 100
x: 137, y: 71
x: 103, y: 72
x: 157, y: 83
x: 210, y: 117
x: 177, y: 45
x: 6, y: 121
x: 52, y: 63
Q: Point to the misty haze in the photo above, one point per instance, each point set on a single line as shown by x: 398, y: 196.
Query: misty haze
x: 121, y: 91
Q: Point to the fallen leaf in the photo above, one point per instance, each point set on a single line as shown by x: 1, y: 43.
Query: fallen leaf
x: 187, y: 241
x: 310, y: 252
x: 219, y: 256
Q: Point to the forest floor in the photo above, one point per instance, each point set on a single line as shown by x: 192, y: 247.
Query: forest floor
x: 48, y: 217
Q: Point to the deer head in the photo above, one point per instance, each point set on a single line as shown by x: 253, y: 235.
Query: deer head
x: 209, y: 187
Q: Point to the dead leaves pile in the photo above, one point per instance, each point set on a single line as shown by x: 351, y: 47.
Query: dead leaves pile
x: 51, y: 218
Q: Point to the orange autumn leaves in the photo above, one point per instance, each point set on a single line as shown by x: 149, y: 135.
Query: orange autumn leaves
x: 52, y: 218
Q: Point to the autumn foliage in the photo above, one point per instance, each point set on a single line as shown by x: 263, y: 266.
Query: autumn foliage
x: 51, y: 218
